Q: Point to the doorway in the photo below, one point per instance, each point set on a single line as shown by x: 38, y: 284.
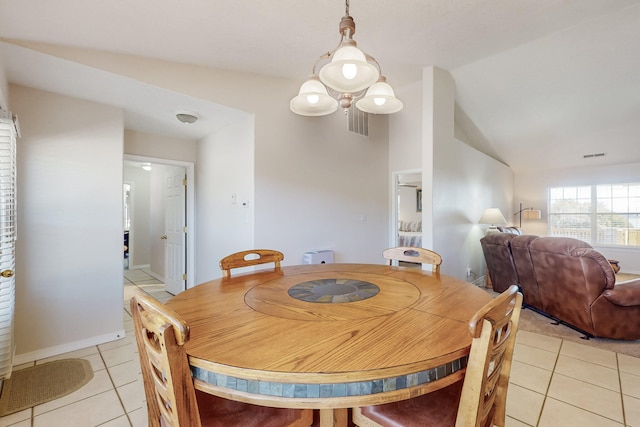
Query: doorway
x: 160, y: 219
x: 406, y: 208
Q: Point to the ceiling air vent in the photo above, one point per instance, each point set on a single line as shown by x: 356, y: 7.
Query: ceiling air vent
x: 589, y: 156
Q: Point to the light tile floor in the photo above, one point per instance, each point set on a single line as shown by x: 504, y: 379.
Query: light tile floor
x: 554, y: 383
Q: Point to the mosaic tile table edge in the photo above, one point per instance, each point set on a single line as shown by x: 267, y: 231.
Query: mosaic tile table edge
x: 328, y: 390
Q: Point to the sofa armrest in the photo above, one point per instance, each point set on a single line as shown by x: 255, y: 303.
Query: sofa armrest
x: 625, y: 294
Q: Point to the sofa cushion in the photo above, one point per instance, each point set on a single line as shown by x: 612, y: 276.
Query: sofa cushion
x: 626, y: 294
x: 524, y: 269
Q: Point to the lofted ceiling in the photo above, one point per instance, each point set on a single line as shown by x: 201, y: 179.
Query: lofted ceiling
x: 539, y: 83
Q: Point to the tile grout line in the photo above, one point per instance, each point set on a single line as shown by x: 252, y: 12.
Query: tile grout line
x: 546, y: 392
x: 624, y: 413
x: 115, y: 389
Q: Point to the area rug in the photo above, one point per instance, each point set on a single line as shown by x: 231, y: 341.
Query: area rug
x: 535, y: 322
x: 41, y: 383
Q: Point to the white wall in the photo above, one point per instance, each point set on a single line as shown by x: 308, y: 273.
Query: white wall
x: 225, y: 168
x: 531, y: 190
x: 69, y: 248
x: 322, y: 188
x: 139, y: 244
x: 158, y: 146
x: 405, y: 130
x: 407, y: 205
x: 466, y: 182
x: 4, y: 86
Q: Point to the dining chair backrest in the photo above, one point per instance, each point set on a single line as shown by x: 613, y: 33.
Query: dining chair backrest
x: 481, y: 399
x: 168, y: 385
x: 250, y: 258
x: 415, y: 255
x: 493, y: 330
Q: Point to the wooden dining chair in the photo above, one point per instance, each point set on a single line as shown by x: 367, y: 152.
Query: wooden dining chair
x: 250, y: 258
x: 172, y: 400
x: 479, y: 399
x: 410, y: 254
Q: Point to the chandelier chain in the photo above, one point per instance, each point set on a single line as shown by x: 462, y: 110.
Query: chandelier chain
x: 346, y: 12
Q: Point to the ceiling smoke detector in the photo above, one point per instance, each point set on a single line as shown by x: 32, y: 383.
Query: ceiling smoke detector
x: 187, y: 117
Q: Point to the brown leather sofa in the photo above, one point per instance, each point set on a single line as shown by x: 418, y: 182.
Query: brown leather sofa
x: 567, y: 280
x: 499, y: 261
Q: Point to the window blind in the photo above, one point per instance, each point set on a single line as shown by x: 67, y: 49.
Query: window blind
x: 8, y: 134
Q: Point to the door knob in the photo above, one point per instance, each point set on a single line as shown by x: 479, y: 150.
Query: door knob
x: 7, y: 273
x: 164, y: 237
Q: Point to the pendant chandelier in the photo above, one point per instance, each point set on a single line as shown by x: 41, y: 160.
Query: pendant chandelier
x: 348, y: 75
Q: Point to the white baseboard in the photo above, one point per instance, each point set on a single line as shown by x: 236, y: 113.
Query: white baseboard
x: 479, y: 281
x: 66, y: 348
x: 139, y: 267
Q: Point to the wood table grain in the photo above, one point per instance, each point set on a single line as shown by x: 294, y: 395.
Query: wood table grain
x: 252, y: 341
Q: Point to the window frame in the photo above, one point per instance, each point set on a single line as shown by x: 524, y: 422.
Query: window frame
x: 593, y: 210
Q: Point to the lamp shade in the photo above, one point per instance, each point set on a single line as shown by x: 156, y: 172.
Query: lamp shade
x: 532, y: 214
x: 492, y: 216
x: 380, y: 99
x: 313, y: 100
x: 348, y: 70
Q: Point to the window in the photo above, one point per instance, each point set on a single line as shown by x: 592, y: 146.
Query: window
x: 618, y: 214
x: 604, y: 214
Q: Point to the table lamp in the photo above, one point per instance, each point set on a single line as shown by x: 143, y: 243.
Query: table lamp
x: 493, y: 217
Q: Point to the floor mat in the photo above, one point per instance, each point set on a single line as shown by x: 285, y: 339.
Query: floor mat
x: 42, y: 383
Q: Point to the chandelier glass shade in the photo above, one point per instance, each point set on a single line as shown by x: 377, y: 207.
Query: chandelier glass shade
x: 313, y: 99
x: 349, y: 75
x: 378, y: 97
x: 349, y: 71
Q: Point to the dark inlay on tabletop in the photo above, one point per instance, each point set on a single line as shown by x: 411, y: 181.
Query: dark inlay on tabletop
x: 332, y: 291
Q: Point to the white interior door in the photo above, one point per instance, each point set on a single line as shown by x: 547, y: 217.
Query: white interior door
x: 175, y: 231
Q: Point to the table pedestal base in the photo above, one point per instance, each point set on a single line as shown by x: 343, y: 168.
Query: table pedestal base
x: 334, y: 417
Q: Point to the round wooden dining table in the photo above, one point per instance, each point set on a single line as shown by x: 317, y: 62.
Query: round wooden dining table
x: 328, y: 336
